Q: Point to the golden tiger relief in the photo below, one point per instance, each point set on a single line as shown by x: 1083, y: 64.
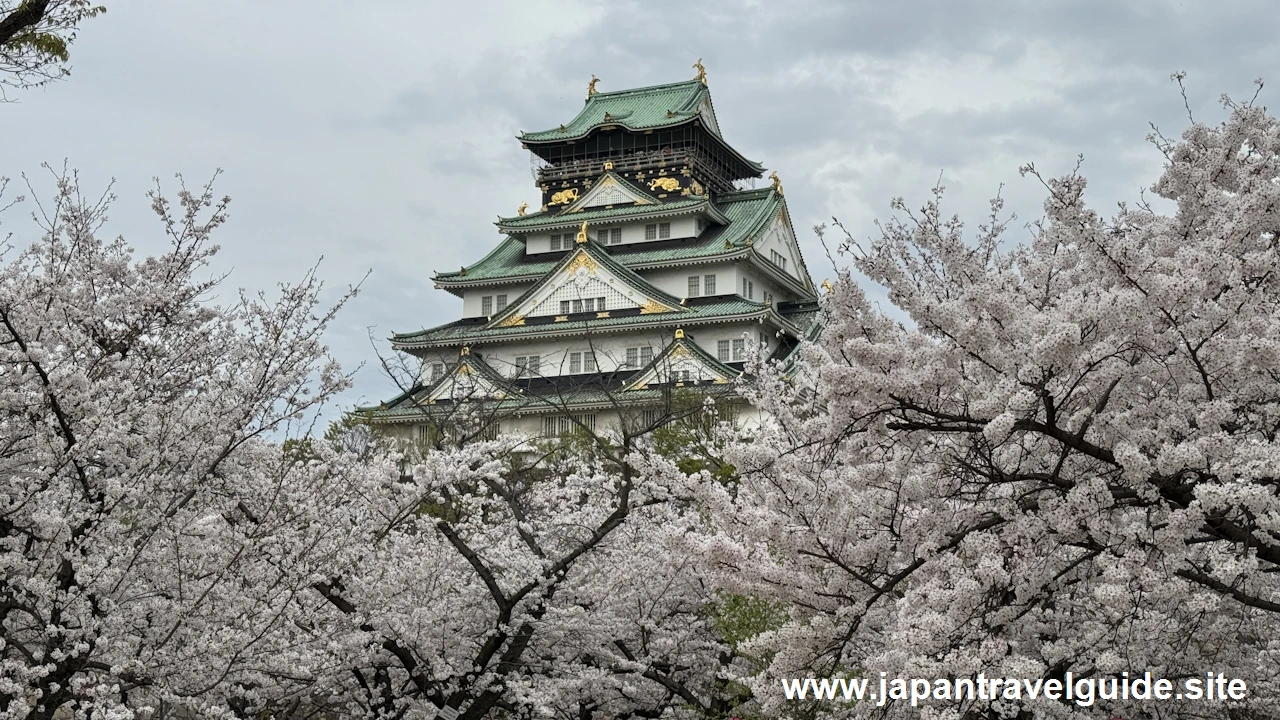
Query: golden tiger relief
x: 564, y: 197
x: 666, y: 183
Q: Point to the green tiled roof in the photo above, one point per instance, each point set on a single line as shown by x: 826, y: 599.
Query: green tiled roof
x: 728, y: 306
x: 638, y: 109
x: 748, y: 212
x: 406, y: 407
x: 536, y: 220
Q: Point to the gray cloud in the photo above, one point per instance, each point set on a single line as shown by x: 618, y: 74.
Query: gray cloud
x: 380, y: 134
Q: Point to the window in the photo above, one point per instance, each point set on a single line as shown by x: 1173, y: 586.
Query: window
x: 600, y: 304
x: 589, y: 305
x: 744, y: 287
x: 564, y: 424
x: 683, y: 375
x: 564, y: 307
x: 437, y: 371
x: 709, y: 285
x: 739, y: 350
x: 502, y: 302
x: 486, y: 305
x: 751, y: 290
x: 695, y: 282
x: 639, y: 356
x: 651, y: 232
x: 664, y: 230
x: 778, y: 259
x: 555, y: 242
x: 615, y: 236
x: 589, y: 361
x: 575, y: 362
x: 527, y: 366
x: 577, y: 306
x: 722, y: 350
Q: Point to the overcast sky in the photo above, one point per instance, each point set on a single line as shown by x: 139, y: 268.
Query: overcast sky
x: 379, y: 133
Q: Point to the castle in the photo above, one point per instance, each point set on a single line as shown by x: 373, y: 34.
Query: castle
x: 649, y: 272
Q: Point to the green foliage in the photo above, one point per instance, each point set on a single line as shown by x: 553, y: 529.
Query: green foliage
x: 690, y: 438
x: 36, y: 36
x: 739, y: 618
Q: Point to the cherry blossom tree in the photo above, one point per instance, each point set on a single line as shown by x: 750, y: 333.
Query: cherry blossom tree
x: 1064, y: 459
x: 145, y: 517
x: 537, y: 586
x: 174, y: 543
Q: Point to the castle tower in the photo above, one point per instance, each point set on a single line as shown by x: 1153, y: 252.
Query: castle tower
x: 647, y: 273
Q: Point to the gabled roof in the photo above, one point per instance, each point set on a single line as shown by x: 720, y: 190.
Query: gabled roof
x: 612, y: 183
x: 748, y: 214
x: 471, y: 378
x: 590, y: 259
x: 682, y: 354
x: 645, y: 108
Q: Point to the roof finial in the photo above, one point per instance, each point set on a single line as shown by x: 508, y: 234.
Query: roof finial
x: 679, y: 333
x: 826, y: 285
x: 523, y: 206
x: 777, y: 184
x: 591, y: 86
x: 702, y: 72
x: 582, y: 233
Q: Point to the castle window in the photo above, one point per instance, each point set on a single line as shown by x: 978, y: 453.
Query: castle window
x: 615, y: 236
x: 778, y: 259
x: 502, y: 302
x: 600, y: 304
x: 555, y: 241
x: 638, y: 357
x: 664, y: 230
x: 564, y: 424
x: 564, y: 307
x: 748, y: 289
x: 722, y: 350
x: 527, y: 366
x: 695, y: 282
x: 739, y: 350
x: 577, y: 306
x: 575, y: 362
x: 709, y: 285
x: 589, y: 305
x: 486, y: 305
x: 651, y: 232
x: 437, y: 371
x: 589, y: 361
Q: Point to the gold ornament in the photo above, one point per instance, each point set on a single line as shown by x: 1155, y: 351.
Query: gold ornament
x: 666, y: 183
x: 650, y: 307
x: 523, y: 206
x: 582, y: 233
x: 702, y: 72
x: 581, y: 260
x: 777, y: 184
x: 512, y: 321
x: 591, y: 86
x: 564, y: 197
